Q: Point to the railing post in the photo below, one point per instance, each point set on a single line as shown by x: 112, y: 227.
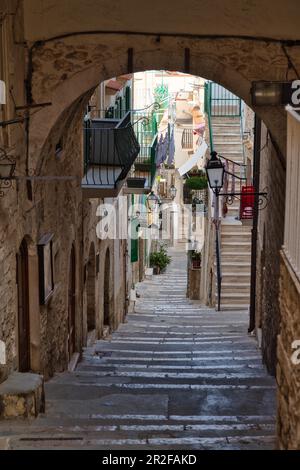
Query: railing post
x: 218, y: 254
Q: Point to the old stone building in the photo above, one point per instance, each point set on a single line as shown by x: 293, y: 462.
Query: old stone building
x: 50, y: 207
x: 51, y: 62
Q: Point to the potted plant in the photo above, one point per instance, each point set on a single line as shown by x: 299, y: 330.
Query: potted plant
x: 196, y: 259
x: 159, y: 260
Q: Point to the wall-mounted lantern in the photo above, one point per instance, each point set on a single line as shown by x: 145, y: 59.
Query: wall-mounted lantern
x: 173, y: 191
x: 215, y: 173
x: 7, y: 170
x: 275, y: 93
x: 152, y: 201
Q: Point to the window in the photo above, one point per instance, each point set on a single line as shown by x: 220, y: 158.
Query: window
x: 59, y: 148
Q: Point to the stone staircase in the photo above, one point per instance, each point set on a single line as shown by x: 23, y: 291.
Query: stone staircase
x: 235, y: 236
x: 176, y: 375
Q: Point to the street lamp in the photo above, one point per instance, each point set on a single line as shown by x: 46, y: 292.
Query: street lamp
x: 215, y: 173
x: 152, y: 201
x: 173, y: 191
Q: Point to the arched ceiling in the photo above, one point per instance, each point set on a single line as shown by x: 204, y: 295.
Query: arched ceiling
x: 259, y: 18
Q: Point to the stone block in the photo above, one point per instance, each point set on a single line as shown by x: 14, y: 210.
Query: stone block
x: 194, y: 280
x: 22, y: 396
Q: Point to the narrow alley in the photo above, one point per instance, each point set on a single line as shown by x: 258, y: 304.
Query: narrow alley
x: 176, y: 375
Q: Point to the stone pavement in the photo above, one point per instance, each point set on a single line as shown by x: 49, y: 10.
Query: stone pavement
x: 177, y: 375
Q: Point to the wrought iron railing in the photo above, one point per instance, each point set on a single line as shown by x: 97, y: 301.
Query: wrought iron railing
x: 103, y: 139
x: 207, y: 109
x: 110, y: 149
x: 223, y: 103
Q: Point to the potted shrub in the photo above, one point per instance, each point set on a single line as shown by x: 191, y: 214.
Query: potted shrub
x: 196, y: 182
x: 196, y: 259
x: 159, y: 260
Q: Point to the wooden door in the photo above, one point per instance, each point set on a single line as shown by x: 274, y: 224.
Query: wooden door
x: 71, y: 304
x: 23, y: 309
x: 106, y: 294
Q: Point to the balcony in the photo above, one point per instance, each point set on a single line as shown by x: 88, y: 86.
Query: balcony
x: 110, y: 149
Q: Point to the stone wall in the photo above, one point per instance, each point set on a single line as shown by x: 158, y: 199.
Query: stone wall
x: 14, y: 202
x: 270, y: 239
x: 288, y: 373
x: 117, y: 249
x: 31, y: 209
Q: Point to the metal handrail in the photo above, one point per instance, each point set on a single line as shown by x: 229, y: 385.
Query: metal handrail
x: 232, y: 161
x: 218, y: 263
x: 207, y: 106
x: 156, y: 106
x: 242, y: 132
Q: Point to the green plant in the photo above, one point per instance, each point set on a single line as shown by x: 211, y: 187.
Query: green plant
x: 160, y: 94
x: 196, y: 255
x: 196, y: 182
x: 160, y: 258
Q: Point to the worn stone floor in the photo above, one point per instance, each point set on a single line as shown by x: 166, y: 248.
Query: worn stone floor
x: 176, y: 375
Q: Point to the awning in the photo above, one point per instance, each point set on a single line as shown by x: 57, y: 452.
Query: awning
x: 187, y: 166
x: 113, y: 85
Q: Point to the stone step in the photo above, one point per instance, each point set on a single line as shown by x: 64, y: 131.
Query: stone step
x: 121, y: 430
x: 231, y: 129
x: 233, y: 298
x: 237, y: 226
x: 228, y: 146
x: 221, y: 136
x: 233, y: 278
x: 235, y: 307
x: 233, y: 266
x: 243, y: 256
x: 224, y: 120
x: 229, y: 288
x: 246, y: 442
x: 236, y: 237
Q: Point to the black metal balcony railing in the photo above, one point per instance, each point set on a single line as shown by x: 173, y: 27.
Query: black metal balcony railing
x: 111, y: 147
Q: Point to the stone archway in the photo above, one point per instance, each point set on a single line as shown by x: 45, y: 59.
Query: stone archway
x: 91, y: 290
x: 66, y: 70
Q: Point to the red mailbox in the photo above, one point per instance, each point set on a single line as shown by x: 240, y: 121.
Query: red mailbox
x: 247, y: 202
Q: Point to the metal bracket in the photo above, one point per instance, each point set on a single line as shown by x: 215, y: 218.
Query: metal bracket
x: 262, y: 197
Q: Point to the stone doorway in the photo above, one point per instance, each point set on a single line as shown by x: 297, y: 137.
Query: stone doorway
x: 23, y: 308
x: 91, y: 290
x: 71, y: 304
x: 106, y: 296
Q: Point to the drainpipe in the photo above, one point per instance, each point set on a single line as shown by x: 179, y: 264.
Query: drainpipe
x: 256, y: 171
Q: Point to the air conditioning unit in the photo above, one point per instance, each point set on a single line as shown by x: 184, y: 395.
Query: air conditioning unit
x: 2, y: 92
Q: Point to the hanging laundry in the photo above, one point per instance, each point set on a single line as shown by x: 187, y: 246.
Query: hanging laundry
x: 159, y: 150
x: 171, y: 149
x: 165, y: 147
